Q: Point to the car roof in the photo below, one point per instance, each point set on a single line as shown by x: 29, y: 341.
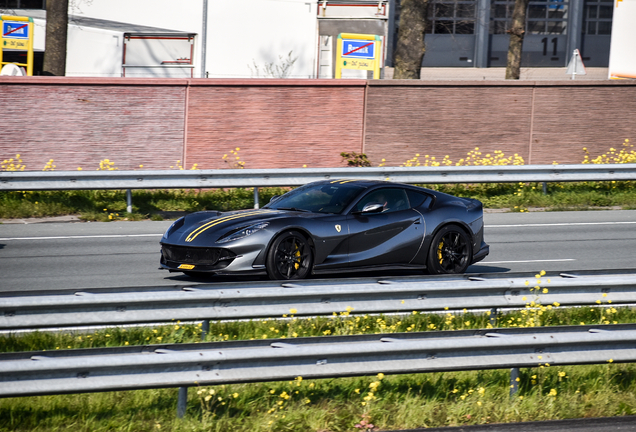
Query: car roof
x: 369, y: 183
x: 358, y: 182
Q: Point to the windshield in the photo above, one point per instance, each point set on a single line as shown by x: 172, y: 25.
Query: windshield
x: 318, y: 198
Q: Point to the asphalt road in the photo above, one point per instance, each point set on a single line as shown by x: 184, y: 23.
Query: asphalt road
x: 80, y: 255
x: 606, y: 424
x: 48, y: 256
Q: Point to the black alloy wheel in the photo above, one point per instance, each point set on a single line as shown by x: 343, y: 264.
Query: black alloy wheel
x: 450, y: 251
x: 289, y: 257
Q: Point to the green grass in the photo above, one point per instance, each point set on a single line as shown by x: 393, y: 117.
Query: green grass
x: 101, y: 205
x: 390, y: 402
x: 399, y: 402
x: 105, y: 205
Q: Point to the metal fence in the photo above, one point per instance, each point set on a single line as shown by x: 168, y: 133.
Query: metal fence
x: 256, y: 178
x: 183, y: 365
x: 250, y: 300
x: 230, y: 178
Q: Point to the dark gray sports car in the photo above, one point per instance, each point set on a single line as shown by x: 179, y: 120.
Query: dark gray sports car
x: 332, y: 226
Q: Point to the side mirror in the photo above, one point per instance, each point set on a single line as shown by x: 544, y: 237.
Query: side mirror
x: 274, y: 198
x: 373, y: 208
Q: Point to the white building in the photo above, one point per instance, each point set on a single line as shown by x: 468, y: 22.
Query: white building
x: 209, y: 38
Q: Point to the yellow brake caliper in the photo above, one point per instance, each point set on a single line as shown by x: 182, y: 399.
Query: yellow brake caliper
x: 439, y: 252
x: 297, y: 254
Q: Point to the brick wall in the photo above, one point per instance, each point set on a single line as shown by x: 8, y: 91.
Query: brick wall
x: 78, y: 122
x: 275, y: 123
x: 541, y: 121
x: 291, y: 123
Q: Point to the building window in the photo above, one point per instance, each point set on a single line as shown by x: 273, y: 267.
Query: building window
x: 542, y: 16
x: 451, y: 17
x: 23, y: 4
x: 598, y: 17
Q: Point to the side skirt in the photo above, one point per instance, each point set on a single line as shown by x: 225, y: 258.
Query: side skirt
x: 369, y: 268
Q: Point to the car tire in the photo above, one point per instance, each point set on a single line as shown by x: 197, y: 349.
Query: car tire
x: 450, y: 251
x: 289, y: 257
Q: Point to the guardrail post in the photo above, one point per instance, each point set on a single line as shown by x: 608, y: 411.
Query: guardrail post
x: 514, y: 381
x: 493, y: 317
x: 545, y: 188
x: 255, y: 197
x: 182, y: 401
x: 128, y: 200
x: 205, y: 329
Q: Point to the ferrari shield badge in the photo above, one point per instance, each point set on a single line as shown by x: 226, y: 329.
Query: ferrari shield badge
x: 338, y: 228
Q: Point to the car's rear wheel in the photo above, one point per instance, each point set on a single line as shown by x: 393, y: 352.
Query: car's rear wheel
x: 289, y: 257
x: 450, y: 251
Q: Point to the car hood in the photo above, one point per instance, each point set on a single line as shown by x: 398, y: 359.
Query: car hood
x: 205, y: 228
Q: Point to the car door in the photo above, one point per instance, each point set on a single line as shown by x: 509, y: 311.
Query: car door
x: 389, y: 237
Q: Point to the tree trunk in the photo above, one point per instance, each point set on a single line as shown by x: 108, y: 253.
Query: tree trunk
x: 517, y: 31
x: 56, y: 34
x: 410, y: 44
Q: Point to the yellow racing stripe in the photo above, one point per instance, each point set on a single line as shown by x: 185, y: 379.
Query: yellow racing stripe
x: 210, y: 224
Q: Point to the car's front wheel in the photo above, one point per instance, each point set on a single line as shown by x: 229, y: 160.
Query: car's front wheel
x: 450, y: 251
x: 289, y: 257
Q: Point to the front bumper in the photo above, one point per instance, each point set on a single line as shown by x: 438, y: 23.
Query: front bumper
x: 197, y: 259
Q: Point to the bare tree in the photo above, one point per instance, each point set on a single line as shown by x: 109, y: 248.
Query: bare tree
x: 271, y: 70
x: 517, y: 32
x: 410, y: 48
x: 56, y: 36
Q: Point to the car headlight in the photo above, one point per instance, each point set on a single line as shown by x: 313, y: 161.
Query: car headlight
x: 244, y: 232
x: 175, y: 226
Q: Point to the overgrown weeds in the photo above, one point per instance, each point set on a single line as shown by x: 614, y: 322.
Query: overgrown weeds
x: 376, y: 402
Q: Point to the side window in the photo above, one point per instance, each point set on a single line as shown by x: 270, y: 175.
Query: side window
x: 418, y: 199
x: 393, y: 199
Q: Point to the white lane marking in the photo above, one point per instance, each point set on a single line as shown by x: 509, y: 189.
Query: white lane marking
x: 80, y: 237
x: 559, y: 224
x: 151, y: 235
x: 526, y: 261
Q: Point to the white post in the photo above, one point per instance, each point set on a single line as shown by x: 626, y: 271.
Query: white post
x: 128, y: 200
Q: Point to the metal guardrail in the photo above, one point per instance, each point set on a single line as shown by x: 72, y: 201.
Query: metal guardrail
x: 307, y: 298
x: 75, y: 180
x: 160, y: 366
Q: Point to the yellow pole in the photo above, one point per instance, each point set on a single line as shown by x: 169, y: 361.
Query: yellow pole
x: 339, y: 57
x: 378, y: 57
x: 30, y: 49
x: 1, y: 37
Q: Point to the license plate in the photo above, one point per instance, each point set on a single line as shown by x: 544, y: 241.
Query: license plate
x: 186, y: 266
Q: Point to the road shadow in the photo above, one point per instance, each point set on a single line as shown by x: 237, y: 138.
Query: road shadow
x: 211, y: 278
x: 481, y: 268
x: 2, y: 245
